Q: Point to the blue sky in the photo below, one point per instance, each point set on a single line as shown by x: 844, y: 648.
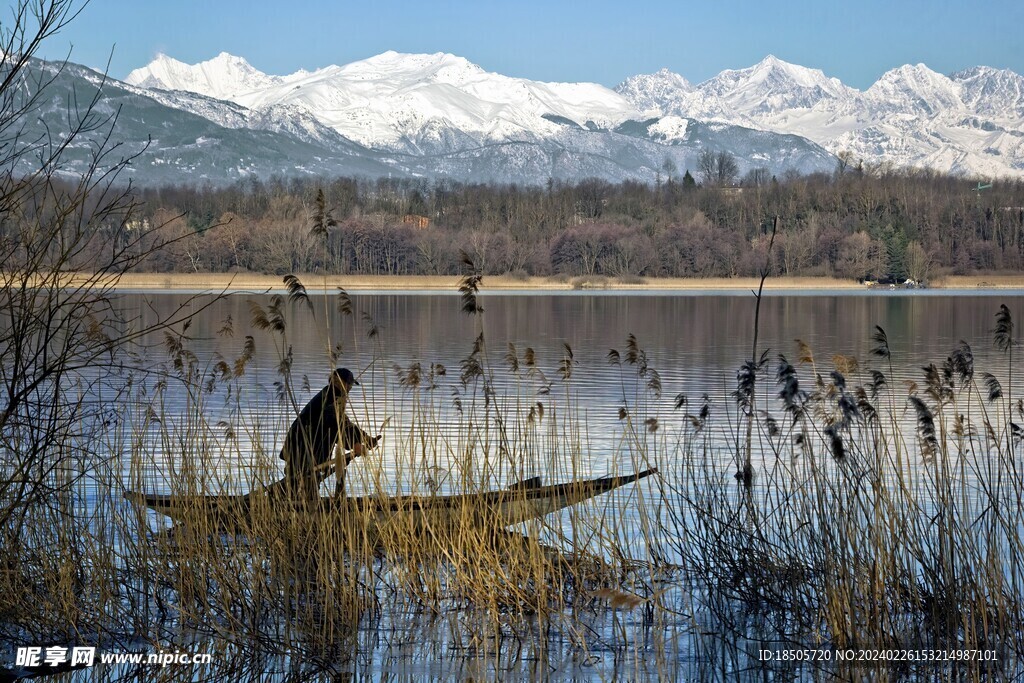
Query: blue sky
x: 596, y: 41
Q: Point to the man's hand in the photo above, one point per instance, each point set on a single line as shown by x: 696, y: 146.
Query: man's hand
x: 361, y: 448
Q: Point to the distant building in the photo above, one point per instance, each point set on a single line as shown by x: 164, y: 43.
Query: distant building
x: 418, y: 222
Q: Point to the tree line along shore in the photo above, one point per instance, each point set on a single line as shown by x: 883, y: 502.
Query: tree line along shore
x: 852, y: 225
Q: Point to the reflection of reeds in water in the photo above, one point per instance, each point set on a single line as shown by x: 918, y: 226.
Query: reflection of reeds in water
x: 280, y: 577
x: 876, y: 520
x: 873, y: 515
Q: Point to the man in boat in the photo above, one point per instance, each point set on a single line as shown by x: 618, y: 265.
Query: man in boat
x: 312, y: 438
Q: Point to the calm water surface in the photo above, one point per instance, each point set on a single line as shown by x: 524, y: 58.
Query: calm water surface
x: 695, y: 342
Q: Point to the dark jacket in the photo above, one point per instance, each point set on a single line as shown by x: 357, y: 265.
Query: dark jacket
x: 311, y: 437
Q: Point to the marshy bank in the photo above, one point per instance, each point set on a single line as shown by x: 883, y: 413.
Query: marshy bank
x: 820, y: 503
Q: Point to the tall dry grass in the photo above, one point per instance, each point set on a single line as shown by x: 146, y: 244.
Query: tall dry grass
x: 873, y: 515
x: 879, y: 515
x: 265, y: 574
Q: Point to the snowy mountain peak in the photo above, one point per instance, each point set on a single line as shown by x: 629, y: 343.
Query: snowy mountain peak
x: 229, y: 59
x: 439, y: 67
x: 992, y: 92
x: 431, y: 104
x: 773, y: 63
x: 918, y: 75
x: 769, y: 86
x: 223, y: 77
x: 795, y: 74
x: 790, y: 84
x: 415, y: 102
x: 651, y: 92
x: 915, y: 88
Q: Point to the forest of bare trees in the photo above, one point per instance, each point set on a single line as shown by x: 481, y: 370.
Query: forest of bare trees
x: 852, y: 224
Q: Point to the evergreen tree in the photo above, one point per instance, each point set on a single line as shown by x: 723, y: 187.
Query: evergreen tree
x: 895, y: 252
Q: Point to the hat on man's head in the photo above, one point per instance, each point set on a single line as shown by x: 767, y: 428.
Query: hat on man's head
x: 346, y: 376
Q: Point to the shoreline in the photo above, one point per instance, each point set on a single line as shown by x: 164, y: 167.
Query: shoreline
x: 252, y: 282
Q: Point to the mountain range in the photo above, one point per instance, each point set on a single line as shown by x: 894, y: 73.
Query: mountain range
x: 439, y: 115
x: 971, y: 122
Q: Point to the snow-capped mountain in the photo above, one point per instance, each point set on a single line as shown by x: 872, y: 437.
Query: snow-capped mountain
x: 971, y: 122
x: 178, y: 137
x: 992, y: 92
x: 649, y: 92
x: 438, y: 104
x: 167, y: 144
x: 222, y: 77
x: 913, y: 90
x: 771, y: 85
x: 407, y: 103
x: 439, y: 114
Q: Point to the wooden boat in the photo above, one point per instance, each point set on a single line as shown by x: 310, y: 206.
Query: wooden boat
x: 376, y: 515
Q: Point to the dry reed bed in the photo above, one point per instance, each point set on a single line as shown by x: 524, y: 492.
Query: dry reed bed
x: 856, y: 531
x: 276, y: 579
x: 844, y: 529
x: 852, y: 533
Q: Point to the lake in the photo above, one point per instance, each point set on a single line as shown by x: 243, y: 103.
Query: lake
x: 695, y: 341
x: 692, y: 539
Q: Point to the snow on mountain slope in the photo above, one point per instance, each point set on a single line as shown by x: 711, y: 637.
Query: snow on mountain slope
x: 401, y: 101
x: 439, y: 115
x: 998, y: 93
x: 772, y: 95
x: 914, y: 90
x: 971, y: 123
x: 648, y: 92
x: 437, y: 104
x: 223, y: 77
x: 168, y: 144
x: 772, y: 85
x: 221, y: 112
x: 277, y: 118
